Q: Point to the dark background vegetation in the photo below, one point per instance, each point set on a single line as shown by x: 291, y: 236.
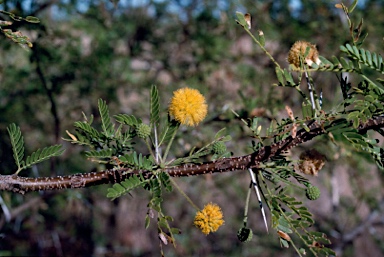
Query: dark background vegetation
x: 85, y: 50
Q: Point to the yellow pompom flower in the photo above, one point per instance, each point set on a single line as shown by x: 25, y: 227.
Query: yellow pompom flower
x: 298, y: 49
x: 209, y: 219
x: 188, y: 106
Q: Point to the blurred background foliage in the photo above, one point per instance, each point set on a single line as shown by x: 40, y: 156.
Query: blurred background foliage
x: 115, y: 50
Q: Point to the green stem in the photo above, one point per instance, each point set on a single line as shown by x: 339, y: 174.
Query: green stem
x: 149, y: 148
x: 183, y: 194
x: 169, y: 145
x: 247, y: 205
x: 262, y: 48
x: 381, y: 88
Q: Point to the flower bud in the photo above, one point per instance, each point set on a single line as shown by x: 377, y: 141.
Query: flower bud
x: 143, y: 130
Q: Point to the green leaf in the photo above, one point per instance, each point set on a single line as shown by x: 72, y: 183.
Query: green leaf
x: 105, y: 153
x: 168, y: 218
x: 105, y: 119
x: 363, y: 55
x: 175, y: 231
x: 349, y: 48
x: 356, y: 51
x: 344, y: 63
x: 288, y: 77
x: 375, y: 59
x: 279, y: 74
x: 241, y: 19
x: 17, y: 142
x: 32, y: 19
x: 343, y: 49
x: 147, y: 221
x: 162, y: 223
x: 356, y: 122
x: 220, y: 133
x: 126, y: 119
x: 283, y: 225
x: 42, y: 155
x: 155, y: 106
x: 369, y: 58
x: 226, y: 138
x: 325, y: 61
x: 284, y: 243
x: 352, y: 7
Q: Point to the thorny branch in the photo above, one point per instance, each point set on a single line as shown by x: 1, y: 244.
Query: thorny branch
x: 22, y: 185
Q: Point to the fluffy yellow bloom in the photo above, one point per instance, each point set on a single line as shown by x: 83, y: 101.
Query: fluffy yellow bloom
x: 298, y: 49
x: 188, y: 106
x: 209, y: 219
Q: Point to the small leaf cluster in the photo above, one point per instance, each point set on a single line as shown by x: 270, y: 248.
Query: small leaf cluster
x: 297, y: 221
x: 17, y: 36
x: 110, y: 142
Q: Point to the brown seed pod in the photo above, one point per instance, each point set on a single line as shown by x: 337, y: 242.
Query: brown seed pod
x: 311, y: 162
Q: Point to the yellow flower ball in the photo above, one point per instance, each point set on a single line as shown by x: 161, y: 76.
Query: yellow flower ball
x: 209, y: 219
x: 188, y: 106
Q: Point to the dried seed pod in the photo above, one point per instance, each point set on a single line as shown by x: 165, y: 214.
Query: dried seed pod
x: 298, y: 51
x: 311, y: 162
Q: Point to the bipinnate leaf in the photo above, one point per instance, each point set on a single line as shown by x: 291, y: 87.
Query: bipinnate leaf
x: 17, y: 142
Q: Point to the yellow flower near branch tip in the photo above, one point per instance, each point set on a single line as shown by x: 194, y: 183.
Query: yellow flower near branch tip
x: 188, y: 106
x: 209, y: 219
